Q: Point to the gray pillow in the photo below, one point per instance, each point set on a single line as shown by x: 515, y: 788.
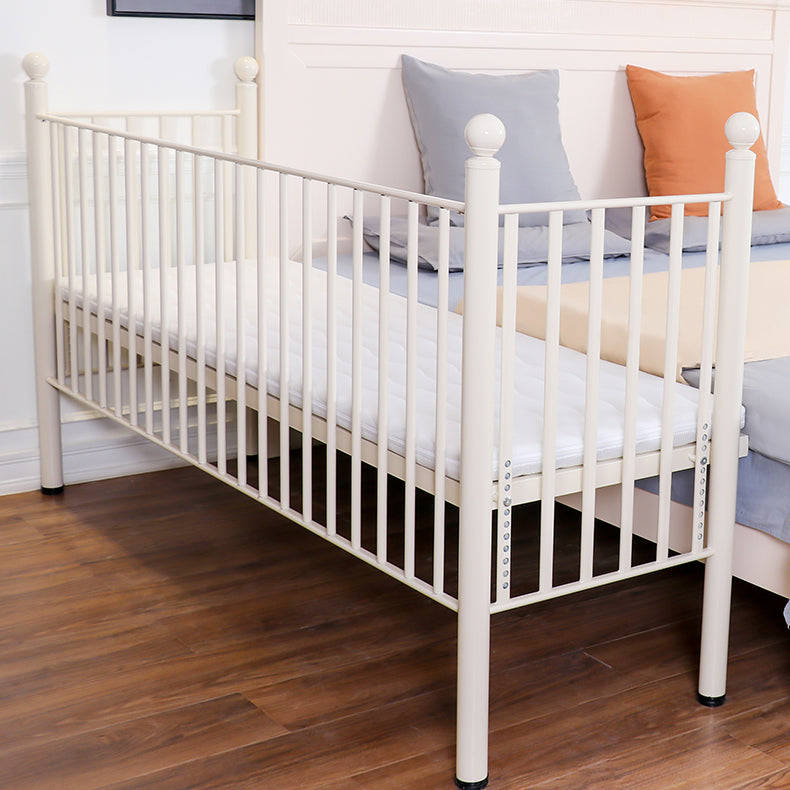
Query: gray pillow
x: 534, y: 164
x: 768, y: 227
x: 533, y: 243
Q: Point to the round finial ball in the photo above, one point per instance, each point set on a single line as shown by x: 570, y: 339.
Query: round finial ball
x: 485, y: 134
x: 742, y: 130
x: 35, y: 65
x: 246, y: 68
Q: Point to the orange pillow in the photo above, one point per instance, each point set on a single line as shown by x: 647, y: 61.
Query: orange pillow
x: 681, y: 123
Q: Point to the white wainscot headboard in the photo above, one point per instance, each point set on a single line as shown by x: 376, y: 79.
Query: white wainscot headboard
x: 332, y: 99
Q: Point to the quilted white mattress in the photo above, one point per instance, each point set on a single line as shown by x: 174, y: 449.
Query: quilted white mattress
x: 528, y: 405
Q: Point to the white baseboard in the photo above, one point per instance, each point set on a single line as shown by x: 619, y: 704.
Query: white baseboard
x: 95, y: 449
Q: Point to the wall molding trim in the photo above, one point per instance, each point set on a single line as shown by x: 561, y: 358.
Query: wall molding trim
x: 106, y: 450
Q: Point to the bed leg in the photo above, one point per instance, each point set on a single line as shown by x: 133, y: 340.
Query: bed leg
x: 49, y: 439
x: 43, y: 274
x: 484, y: 135
x: 742, y: 131
x: 473, y: 667
x: 715, y: 630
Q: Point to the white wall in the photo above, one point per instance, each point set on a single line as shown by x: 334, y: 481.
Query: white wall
x: 96, y: 61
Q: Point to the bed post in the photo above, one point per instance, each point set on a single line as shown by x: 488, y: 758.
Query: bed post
x: 484, y: 135
x: 42, y: 253
x: 742, y: 131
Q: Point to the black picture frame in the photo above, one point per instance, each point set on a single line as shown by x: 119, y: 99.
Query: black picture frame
x: 188, y: 9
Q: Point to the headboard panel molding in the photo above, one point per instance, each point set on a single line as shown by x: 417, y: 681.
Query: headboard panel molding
x: 331, y: 94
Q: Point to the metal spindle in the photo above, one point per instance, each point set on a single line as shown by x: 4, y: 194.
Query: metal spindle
x: 356, y: 373
x: 263, y: 337
x: 307, y: 351
x: 85, y: 258
x: 101, y: 266
x: 181, y: 254
x: 145, y: 228
x: 71, y: 253
x: 411, y: 391
x: 591, y: 396
x: 165, y: 264
x: 551, y: 388
x: 219, y: 305
x: 670, y: 368
x: 440, y: 444
x: 504, y: 561
x: 331, y: 360
x: 630, y: 411
x: 382, y: 435
x: 132, y: 264
x: 115, y: 275
x: 200, y: 328
x: 706, y: 370
x: 56, y: 140
x: 285, y: 460
x: 239, y: 245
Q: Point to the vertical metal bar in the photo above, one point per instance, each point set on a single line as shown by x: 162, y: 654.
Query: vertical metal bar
x: 551, y: 388
x: 181, y: 254
x: 145, y: 228
x: 165, y: 266
x: 285, y: 384
x: 356, y: 372
x: 239, y: 246
x: 440, y: 445
x: 331, y: 360
x: 411, y: 390
x: 132, y: 264
x: 591, y: 395
x: 100, y: 241
x: 670, y: 367
x: 632, y: 385
x: 115, y: 274
x: 85, y: 260
x: 56, y: 148
x: 382, y: 428
x: 705, y: 382
x: 263, y: 338
x: 71, y: 253
x: 307, y: 351
x: 219, y: 274
x: 504, y: 558
x: 200, y: 321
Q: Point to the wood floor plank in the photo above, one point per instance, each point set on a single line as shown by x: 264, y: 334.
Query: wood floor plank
x: 328, y: 753
x: 776, y: 781
x: 765, y: 728
x: 107, y: 755
x: 702, y: 758
x: 133, y: 610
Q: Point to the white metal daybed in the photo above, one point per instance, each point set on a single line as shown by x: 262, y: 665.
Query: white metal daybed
x: 143, y: 247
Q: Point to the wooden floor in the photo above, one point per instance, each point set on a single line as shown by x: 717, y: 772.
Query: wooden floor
x: 163, y: 631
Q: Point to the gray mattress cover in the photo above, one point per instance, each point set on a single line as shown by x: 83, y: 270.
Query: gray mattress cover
x: 763, y: 498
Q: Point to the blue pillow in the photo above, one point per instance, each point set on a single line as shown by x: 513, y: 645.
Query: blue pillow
x: 534, y: 164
